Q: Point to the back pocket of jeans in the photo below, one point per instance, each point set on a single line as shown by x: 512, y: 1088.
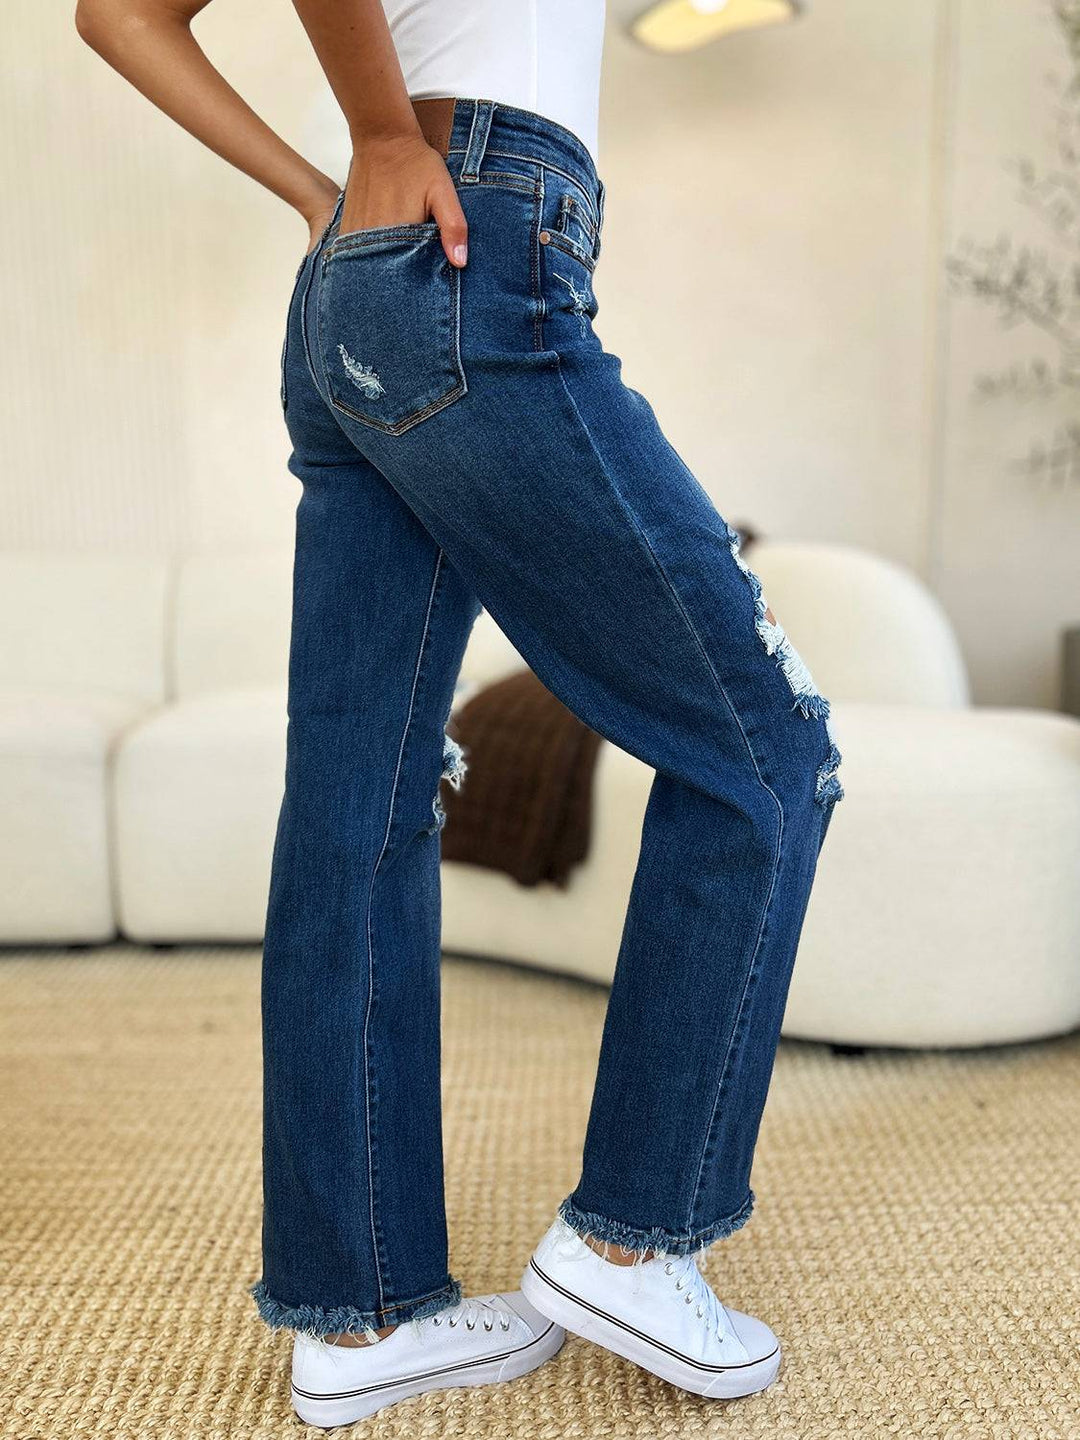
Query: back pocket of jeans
x: 389, y: 329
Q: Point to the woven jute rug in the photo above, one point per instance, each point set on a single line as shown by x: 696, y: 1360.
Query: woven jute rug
x: 915, y: 1242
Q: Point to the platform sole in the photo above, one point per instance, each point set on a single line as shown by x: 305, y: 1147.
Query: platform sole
x: 346, y: 1407
x: 718, y: 1382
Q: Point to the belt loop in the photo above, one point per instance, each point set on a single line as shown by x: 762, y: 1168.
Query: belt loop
x: 600, y: 194
x: 478, y: 138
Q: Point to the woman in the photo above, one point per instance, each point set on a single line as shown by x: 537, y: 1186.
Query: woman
x: 463, y: 440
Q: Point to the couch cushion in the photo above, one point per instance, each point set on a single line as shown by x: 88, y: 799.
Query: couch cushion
x: 62, y: 723
x: 54, y: 840
x: 196, y: 794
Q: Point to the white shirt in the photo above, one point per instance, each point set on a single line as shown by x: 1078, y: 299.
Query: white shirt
x: 541, y: 55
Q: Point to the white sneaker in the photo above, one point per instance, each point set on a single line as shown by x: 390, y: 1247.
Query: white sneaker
x: 484, y: 1339
x: 660, y: 1313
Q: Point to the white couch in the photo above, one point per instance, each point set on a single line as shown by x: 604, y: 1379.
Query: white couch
x: 81, y: 657
x: 198, y: 784
x: 945, y: 910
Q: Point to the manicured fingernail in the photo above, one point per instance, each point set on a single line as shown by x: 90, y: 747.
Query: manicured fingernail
x: 461, y: 254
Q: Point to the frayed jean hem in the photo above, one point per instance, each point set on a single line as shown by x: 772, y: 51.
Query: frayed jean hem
x: 664, y: 1242
x: 313, y: 1320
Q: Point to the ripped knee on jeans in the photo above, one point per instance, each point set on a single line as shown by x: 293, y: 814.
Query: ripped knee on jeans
x: 453, y: 772
x: 808, y: 700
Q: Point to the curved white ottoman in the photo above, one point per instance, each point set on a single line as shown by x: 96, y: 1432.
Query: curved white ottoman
x: 945, y: 911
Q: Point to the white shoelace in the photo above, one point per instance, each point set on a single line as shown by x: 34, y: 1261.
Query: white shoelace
x: 684, y: 1272
x: 470, y: 1313
x: 697, y: 1292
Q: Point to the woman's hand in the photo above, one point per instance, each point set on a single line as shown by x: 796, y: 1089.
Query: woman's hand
x: 403, y: 181
x: 318, y: 208
x: 317, y: 222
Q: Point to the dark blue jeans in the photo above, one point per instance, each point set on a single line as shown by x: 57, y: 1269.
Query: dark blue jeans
x: 463, y: 439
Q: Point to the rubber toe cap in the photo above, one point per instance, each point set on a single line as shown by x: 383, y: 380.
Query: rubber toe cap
x: 754, y: 1335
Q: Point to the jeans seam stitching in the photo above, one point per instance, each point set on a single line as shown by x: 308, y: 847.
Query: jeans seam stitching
x: 532, y: 160
x: 507, y: 180
x: 751, y: 974
x: 304, y: 326
x: 539, y: 304
x: 568, y: 246
x: 761, y: 781
x: 371, y: 237
x: 385, y: 1311
x: 399, y: 427
x: 370, y: 903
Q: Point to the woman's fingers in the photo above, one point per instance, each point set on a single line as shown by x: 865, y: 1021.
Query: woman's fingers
x: 453, y: 228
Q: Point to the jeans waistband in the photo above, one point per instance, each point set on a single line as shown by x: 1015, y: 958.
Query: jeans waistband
x: 472, y: 129
x: 475, y: 129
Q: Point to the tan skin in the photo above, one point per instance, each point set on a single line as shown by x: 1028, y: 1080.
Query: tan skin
x: 395, y: 177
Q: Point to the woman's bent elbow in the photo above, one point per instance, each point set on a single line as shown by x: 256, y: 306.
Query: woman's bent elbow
x: 89, y: 21
x: 105, y: 23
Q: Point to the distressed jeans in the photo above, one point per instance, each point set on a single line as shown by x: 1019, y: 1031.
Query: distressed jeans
x: 463, y: 440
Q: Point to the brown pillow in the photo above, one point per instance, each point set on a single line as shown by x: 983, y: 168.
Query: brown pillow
x: 525, y: 804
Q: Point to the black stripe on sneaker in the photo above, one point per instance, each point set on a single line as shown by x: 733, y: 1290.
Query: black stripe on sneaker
x: 658, y: 1344
x: 427, y: 1374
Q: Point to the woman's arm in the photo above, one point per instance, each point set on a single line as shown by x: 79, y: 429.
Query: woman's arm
x: 395, y: 177
x: 150, y: 43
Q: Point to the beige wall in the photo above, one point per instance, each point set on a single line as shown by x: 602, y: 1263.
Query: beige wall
x: 780, y: 209
x: 1005, y: 534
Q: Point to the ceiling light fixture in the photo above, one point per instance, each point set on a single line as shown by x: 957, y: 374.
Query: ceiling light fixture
x: 675, y: 25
